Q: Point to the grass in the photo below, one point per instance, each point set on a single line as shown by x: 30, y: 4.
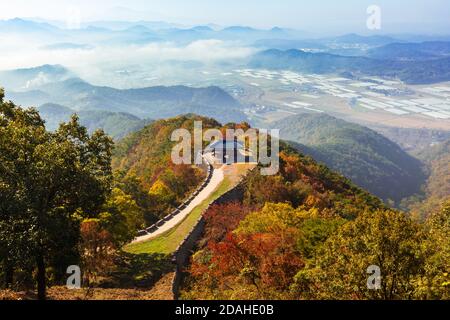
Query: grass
x: 169, y: 241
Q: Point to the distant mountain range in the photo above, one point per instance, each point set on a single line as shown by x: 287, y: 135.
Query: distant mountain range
x: 141, y: 32
x: 364, y: 156
x: 152, y: 102
x: 377, y: 55
x: 352, y: 38
x: 428, y: 71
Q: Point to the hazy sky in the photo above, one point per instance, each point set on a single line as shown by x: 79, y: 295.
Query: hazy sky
x: 426, y: 16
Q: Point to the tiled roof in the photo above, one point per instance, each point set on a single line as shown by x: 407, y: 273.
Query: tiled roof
x: 229, y: 144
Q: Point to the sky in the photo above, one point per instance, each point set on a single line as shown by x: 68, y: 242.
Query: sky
x: 321, y: 16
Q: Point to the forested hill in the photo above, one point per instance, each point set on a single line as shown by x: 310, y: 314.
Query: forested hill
x: 293, y: 235
x: 364, y: 156
x: 142, y: 162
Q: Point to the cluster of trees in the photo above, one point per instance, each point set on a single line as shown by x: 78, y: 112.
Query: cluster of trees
x: 309, y: 234
x: 57, y: 204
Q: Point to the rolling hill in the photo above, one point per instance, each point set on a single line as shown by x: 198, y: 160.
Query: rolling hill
x: 115, y: 124
x: 364, y: 156
x: 412, y: 51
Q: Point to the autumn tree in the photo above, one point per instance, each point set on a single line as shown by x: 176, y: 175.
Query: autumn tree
x: 222, y: 219
x: 97, y: 249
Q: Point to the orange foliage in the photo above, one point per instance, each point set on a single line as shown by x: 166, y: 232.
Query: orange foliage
x: 96, y: 248
x: 221, y: 219
x: 267, y: 261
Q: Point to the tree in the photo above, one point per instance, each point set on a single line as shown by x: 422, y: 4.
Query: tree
x: 162, y: 194
x: 385, y: 238
x: 122, y: 217
x: 97, y: 250
x: 222, y: 219
x: 46, y: 180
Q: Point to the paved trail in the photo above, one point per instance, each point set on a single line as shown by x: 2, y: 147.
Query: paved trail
x: 216, y: 179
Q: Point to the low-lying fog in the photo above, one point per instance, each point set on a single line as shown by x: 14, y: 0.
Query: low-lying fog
x: 121, y: 64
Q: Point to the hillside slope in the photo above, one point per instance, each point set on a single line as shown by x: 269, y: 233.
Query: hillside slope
x: 437, y: 187
x: 364, y: 156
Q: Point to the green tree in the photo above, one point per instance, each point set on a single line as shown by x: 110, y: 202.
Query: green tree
x: 161, y: 193
x: 46, y: 180
x: 122, y: 217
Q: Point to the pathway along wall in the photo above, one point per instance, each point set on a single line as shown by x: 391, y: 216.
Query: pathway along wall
x: 183, y: 253
x: 153, y: 228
